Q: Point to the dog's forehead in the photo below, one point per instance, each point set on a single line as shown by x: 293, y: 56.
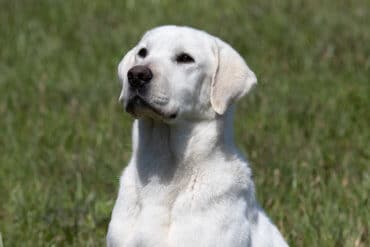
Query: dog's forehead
x: 174, y: 37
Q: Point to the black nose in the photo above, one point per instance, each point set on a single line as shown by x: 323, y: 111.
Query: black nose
x: 138, y: 76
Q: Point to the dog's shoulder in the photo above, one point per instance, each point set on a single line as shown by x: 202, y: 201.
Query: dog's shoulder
x: 231, y: 173
x: 222, y: 179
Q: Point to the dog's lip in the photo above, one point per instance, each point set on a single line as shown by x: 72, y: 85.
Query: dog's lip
x: 137, y: 100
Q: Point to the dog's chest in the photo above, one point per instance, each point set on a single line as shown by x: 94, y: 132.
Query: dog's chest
x: 150, y: 227
x: 145, y: 216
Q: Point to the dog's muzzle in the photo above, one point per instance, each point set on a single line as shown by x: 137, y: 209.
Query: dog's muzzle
x: 138, y: 101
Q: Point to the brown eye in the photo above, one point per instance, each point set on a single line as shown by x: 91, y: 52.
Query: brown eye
x: 142, y: 52
x: 184, y: 58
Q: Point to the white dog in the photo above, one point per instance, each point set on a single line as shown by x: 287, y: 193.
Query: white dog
x: 186, y: 183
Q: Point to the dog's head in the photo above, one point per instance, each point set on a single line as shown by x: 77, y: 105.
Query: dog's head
x: 181, y: 73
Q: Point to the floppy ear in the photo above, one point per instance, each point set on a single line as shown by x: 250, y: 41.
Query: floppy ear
x: 123, y: 67
x: 232, y: 79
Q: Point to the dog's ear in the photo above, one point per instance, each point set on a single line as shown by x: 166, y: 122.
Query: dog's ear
x: 232, y: 79
x: 123, y: 67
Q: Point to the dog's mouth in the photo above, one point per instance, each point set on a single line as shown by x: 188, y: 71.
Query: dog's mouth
x: 137, y: 106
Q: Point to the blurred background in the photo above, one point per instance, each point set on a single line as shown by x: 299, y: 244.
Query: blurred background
x: 64, y: 139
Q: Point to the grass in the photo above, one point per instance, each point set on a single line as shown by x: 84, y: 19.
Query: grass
x: 305, y: 129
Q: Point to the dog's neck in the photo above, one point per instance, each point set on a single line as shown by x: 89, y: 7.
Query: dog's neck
x: 160, y: 148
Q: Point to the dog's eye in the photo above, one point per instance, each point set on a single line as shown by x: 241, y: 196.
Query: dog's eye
x: 142, y: 52
x: 184, y: 58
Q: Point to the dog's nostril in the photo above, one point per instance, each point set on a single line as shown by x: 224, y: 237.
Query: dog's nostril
x: 139, y: 75
x: 130, y: 75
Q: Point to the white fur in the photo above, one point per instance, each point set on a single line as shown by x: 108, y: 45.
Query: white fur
x: 186, y: 183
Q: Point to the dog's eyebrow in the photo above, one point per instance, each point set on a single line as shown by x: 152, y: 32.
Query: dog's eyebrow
x: 142, y: 45
x: 182, y: 49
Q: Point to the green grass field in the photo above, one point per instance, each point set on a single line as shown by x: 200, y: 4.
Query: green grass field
x: 64, y: 139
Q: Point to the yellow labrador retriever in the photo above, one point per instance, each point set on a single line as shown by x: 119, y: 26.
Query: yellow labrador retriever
x: 186, y: 183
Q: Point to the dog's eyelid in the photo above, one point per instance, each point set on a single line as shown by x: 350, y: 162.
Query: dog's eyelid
x: 143, y: 52
x: 184, y: 57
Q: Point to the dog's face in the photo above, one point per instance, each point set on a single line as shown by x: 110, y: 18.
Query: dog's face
x: 179, y: 73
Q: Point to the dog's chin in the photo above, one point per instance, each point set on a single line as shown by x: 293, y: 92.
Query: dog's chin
x: 140, y: 108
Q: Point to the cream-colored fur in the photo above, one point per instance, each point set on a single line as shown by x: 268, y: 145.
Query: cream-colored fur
x: 186, y: 183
